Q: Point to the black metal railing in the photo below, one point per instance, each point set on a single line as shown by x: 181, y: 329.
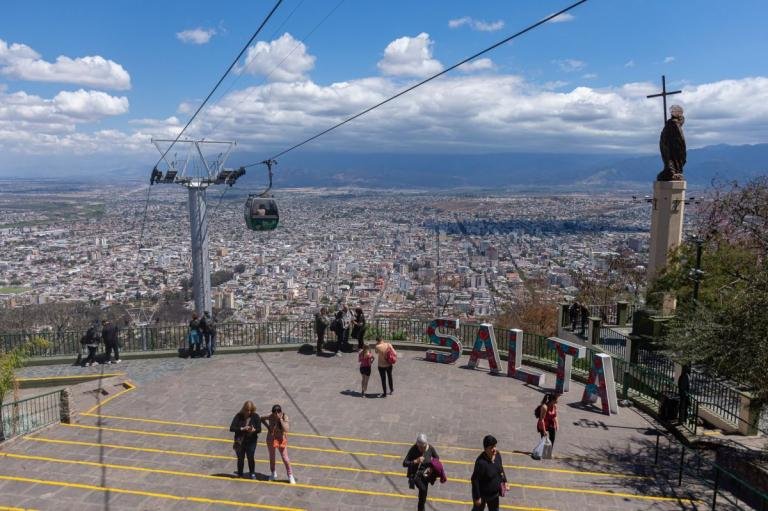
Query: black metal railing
x: 614, y: 342
x: 652, y: 375
x: 30, y: 414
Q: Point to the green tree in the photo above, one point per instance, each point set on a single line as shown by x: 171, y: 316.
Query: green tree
x: 725, y: 331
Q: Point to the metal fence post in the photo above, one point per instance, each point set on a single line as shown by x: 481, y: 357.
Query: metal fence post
x: 64, y: 406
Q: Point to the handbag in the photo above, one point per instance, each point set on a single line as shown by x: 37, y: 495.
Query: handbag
x: 391, y: 355
x: 538, y: 451
x: 547, y: 455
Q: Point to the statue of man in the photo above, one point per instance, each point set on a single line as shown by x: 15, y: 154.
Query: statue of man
x: 672, y: 146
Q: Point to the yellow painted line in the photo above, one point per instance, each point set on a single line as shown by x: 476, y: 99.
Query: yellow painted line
x: 167, y: 496
x: 128, y: 387
x: 229, y: 441
x: 94, y: 376
x: 6, y: 508
x: 245, y: 481
x: 295, y: 464
x: 304, y: 435
x: 314, y: 465
x: 339, y: 438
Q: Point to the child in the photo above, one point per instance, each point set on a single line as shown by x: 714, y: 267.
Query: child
x: 366, y: 359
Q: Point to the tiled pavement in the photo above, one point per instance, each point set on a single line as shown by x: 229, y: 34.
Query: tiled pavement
x: 166, y: 441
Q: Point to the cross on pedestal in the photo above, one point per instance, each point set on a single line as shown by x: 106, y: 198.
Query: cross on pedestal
x: 664, y: 95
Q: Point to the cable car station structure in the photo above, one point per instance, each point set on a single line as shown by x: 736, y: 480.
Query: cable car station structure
x: 196, y: 172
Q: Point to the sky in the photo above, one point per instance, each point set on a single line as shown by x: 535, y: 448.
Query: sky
x: 92, y: 79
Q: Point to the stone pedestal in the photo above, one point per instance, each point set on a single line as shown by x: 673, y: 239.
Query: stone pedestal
x: 666, y: 223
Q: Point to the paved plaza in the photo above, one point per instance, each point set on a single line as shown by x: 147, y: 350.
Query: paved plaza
x: 161, y: 441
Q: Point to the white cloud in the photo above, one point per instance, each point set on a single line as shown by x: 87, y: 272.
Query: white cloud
x: 22, y: 62
x: 570, y: 65
x: 629, y: 63
x: 668, y: 60
x: 477, y: 65
x: 563, y: 18
x: 196, y: 35
x: 589, y: 76
x: 89, y: 104
x: 283, y: 60
x: 482, y: 26
x: 410, y: 56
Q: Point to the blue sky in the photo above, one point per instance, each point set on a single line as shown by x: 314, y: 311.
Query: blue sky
x: 85, y: 77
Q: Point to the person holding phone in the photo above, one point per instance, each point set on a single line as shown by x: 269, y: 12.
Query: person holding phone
x: 246, y: 426
x: 277, y: 439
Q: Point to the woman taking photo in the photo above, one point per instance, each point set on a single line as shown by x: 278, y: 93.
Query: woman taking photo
x: 277, y: 439
x: 246, y: 426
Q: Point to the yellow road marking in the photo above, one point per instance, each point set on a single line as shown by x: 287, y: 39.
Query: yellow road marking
x: 246, y: 481
x: 313, y: 465
x: 305, y: 435
x: 339, y: 438
x: 94, y: 376
x: 228, y: 441
x: 5, y: 508
x: 331, y: 467
x: 128, y: 387
x: 167, y: 496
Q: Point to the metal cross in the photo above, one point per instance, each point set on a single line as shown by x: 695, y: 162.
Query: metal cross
x: 664, y: 95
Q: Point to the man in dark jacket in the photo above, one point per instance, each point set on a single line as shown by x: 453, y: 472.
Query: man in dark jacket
x: 109, y: 335
x: 321, y: 325
x: 418, y: 461
x: 208, y: 329
x: 488, y: 477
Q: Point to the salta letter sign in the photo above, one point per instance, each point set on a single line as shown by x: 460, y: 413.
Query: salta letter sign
x: 442, y: 339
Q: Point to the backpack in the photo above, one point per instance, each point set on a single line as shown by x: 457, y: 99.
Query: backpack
x: 391, y: 355
x: 336, y: 325
x: 536, y: 411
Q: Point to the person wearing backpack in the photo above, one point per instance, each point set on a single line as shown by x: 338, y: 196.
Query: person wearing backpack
x: 195, y: 336
x: 387, y: 357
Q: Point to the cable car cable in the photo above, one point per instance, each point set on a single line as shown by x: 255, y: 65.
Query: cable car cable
x: 486, y: 50
x: 234, y: 82
x: 299, y: 43
x: 285, y: 57
x: 232, y: 65
x: 247, y: 45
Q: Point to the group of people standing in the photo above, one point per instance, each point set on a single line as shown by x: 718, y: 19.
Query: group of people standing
x: 344, y: 324
x: 246, y: 425
x: 94, y: 336
x: 202, y: 335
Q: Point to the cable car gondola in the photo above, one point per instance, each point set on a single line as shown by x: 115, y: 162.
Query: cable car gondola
x: 261, y: 213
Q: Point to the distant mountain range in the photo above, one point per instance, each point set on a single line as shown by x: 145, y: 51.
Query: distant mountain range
x: 440, y: 171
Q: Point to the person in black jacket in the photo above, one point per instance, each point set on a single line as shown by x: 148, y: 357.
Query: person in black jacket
x: 488, y: 477
x: 109, y: 336
x: 246, y: 426
x: 358, y: 327
x: 418, y: 461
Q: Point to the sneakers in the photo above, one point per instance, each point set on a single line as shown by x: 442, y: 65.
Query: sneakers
x: 108, y: 362
x: 117, y: 361
x: 273, y: 476
x: 338, y: 353
x: 252, y: 475
x: 291, y: 480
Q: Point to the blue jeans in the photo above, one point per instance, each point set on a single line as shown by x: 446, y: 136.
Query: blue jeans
x: 210, y: 343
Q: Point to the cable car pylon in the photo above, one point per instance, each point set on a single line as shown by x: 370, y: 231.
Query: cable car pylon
x: 209, y: 173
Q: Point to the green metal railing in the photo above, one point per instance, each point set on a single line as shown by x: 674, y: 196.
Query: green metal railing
x: 30, y: 414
